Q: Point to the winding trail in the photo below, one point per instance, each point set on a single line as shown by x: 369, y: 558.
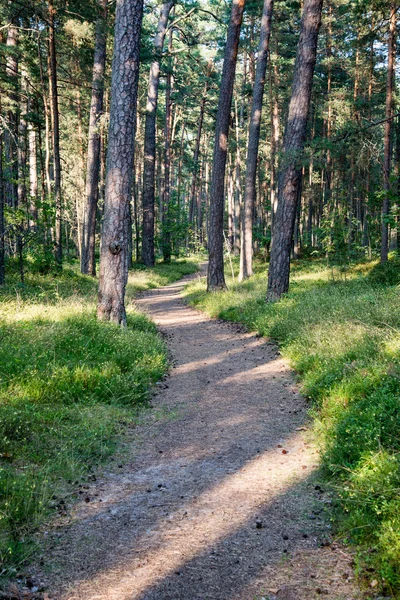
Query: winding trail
x: 218, y: 499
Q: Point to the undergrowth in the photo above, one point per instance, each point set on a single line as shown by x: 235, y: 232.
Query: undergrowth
x: 69, y: 387
x: 341, y: 332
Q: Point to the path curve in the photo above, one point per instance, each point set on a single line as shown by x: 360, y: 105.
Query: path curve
x: 219, y: 500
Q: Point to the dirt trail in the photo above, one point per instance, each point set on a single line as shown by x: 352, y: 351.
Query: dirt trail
x: 219, y: 500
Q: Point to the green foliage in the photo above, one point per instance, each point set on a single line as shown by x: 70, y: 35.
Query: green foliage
x: 387, y: 273
x: 343, y: 338
x: 69, y: 387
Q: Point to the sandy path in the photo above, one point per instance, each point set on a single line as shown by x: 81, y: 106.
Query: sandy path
x: 218, y: 498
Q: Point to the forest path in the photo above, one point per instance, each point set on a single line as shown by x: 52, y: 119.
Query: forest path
x: 219, y: 500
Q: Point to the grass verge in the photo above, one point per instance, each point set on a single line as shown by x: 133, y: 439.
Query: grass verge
x: 342, y: 335
x: 69, y: 386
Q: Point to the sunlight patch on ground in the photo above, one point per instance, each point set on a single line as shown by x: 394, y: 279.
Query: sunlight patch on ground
x: 204, y: 521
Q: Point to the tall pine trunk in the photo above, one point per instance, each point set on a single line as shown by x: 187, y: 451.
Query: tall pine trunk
x: 150, y: 139
x: 215, y: 275
x: 10, y: 168
x: 88, y: 263
x: 52, y: 66
x: 388, y: 133
x: 120, y: 154
x: 293, y: 144
x: 246, y: 256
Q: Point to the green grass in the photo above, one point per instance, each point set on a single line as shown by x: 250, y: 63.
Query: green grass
x: 69, y: 387
x: 341, y: 333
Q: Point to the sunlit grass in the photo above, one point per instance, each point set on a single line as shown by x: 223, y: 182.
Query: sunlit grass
x: 341, y: 331
x: 69, y: 387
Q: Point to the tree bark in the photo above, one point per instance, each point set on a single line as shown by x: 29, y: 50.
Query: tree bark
x: 166, y: 225
x: 215, y: 275
x: 2, y: 223
x: 246, y: 256
x: 10, y: 168
x: 120, y: 154
x: 22, y: 140
x: 88, y: 263
x: 55, y: 131
x: 388, y: 133
x: 150, y: 139
x: 33, y: 176
x: 294, y: 138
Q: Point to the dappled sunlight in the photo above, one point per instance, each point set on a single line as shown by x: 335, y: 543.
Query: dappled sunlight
x: 204, y: 521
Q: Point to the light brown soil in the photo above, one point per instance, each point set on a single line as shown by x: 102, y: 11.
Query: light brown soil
x: 219, y: 498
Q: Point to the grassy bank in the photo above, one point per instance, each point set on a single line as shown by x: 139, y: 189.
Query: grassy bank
x: 342, y: 335
x: 69, y: 386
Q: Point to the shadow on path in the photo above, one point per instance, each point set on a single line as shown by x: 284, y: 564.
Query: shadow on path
x: 218, y: 501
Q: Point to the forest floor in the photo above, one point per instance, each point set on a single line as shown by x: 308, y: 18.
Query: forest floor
x: 217, y: 495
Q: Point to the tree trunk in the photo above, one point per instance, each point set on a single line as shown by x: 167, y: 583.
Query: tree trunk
x: 2, y: 224
x: 274, y: 82
x: 88, y: 263
x: 215, y: 275
x: 10, y: 168
x: 166, y: 224
x: 150, y: 139
x: 55, y: 131
x: 33, y: 176
x: 246, y: 256
x: 388, y: 133
x: 22, y: 140
x: 120, y: 154
x: 294, y: 138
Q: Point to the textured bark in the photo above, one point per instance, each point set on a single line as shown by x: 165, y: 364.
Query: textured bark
x: 388, y: 133
x: 2, y: 224
x: 166, y: 225
x: 295, y: 132
x: 46, y: 170
x: 215, y: 275
x: 88, y: 264
x: 22, y: 140
x: 150, y: 139
x: 11, y: 131
x: 52, y: 65
x: 33, y: 176
x: 274, y: 82
x: 246, y: 256
x: 120, y: 154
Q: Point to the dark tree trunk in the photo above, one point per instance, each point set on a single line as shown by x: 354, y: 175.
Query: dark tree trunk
x: 22, y: 141
x: 166, y: 224
x: 150, y: 139
x: 294, y: 138
x: 88, y: 263
x: 388, y: 133
x: 55, y: 131
x: 215, y: 276
x: 120, y: 155
x: 11, y: 131
x: 246, y: 256
x: 2, y: 224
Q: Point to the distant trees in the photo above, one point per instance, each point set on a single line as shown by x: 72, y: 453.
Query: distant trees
x: 209, y: 137
x: 149, y: 164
